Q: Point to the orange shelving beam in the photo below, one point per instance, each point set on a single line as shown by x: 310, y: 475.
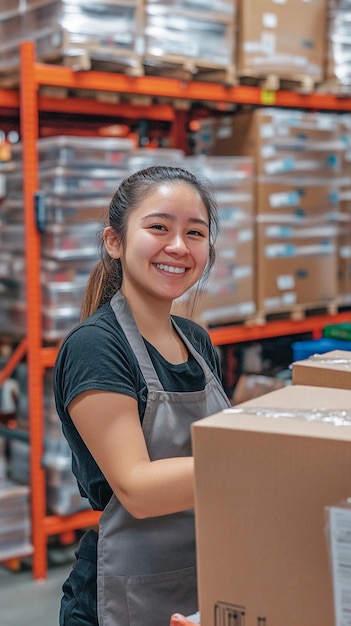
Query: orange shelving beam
x: 9, y: 99
x: 15, y: 358
x: 173, y: 88
x: 55, y: 524
x: 244, y: 332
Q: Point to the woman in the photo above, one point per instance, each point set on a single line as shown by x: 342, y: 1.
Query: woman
x: 129, y: 381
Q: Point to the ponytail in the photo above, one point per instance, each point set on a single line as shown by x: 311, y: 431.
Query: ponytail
x: 104, y: 280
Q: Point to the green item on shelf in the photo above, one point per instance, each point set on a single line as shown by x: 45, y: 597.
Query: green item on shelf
x: 338, y: 331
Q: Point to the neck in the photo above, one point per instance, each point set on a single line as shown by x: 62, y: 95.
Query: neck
x: 152, y: 318
x: 155, y: 325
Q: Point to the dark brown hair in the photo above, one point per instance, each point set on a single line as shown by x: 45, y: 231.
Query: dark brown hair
x: 106, y: 277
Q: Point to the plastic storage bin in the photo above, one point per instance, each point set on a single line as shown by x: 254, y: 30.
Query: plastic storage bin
x: 338, y: 331
x: 304, y: 349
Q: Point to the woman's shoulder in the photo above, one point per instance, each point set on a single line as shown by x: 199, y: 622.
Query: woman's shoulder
x: 99, y: 329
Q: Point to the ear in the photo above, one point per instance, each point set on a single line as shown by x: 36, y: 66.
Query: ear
x: 112, y: 242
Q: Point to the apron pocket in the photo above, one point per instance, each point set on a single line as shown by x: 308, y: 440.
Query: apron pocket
x: 149, y: 600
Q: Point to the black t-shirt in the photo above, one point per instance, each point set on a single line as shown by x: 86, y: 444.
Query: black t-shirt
x: 97, y: 355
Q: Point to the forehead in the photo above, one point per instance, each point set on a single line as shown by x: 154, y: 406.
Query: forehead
x: 177, y: 194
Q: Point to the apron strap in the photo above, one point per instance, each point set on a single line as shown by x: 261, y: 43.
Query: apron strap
x: 125, y: 317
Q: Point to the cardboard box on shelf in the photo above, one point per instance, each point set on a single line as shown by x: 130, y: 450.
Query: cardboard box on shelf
x: 331, y: 369
x: 263, y: 481
x: 291, y: 273
x: 297, y: 198
x: 264, y: 133
x: 285, y: 38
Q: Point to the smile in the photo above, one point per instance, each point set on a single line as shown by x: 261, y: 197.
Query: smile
x: 170, y: 268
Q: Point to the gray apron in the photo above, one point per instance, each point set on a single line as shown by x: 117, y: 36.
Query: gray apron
x: 147, y: 567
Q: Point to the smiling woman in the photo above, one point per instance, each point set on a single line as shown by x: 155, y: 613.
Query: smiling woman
x: 129, y: 381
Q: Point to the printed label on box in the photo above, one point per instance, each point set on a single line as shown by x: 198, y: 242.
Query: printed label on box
x: 340, y: 549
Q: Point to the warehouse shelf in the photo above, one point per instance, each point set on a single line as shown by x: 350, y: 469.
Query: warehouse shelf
x: 187, y: 90
x: 279, y: 328
x: 30, y: 104
x: 157, y: 87
x: 82, y: 106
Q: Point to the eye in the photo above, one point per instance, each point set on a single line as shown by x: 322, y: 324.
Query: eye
x: 157, y: 227
x: 196, y: 233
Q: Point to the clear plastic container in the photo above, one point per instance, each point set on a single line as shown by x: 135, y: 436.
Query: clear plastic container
x: 71, y: 241
x: 12, y: 238
x: 15, y: 526
x: 63, y: 271
x: 63, y: 294
x: 81, y: 151
x: 226, y: 7
x: 58, y: 321
x: 144, y: 157
x: 170, y: 34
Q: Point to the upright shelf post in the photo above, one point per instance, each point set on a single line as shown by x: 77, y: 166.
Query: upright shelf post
x: 29, y: 126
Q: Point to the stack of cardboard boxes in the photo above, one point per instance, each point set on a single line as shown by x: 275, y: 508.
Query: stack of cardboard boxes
x: 344, y: 235
x: 298, y: 159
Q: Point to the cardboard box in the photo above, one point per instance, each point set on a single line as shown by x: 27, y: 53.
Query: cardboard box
x: 285, y: 38
x: 262, y: 485
x: 331, y: 369
x: 300, y: 199
x: 294, y: 272
x: 272, y: 136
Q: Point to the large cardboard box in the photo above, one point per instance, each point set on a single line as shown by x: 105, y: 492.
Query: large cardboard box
x: 301, y: 199
x: 293, y: 271
x: 331, y: 369
x: 264, y: 474
x: 286, y: 38
x: 279, y: 139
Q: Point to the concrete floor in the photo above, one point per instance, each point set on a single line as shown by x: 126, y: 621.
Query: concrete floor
x: 27, y: 602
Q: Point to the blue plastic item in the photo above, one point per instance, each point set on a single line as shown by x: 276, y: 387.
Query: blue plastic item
x: 304, y: 349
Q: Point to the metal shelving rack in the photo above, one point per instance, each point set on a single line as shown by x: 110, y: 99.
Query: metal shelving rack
x: 30, y: 103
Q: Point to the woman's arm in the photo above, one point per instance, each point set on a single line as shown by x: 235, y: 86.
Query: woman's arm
x: 109, y: 424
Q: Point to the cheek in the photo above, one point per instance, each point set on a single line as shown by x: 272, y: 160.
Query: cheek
x: 140, y: 248
x: 202, y: 257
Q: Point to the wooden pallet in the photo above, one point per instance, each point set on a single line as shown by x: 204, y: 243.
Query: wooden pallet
x: 9, y: 78
x: 97, y: 58
x: 189, y: 69
x: 334, y: 87
x: 274, y: 82
x: 296, y: 312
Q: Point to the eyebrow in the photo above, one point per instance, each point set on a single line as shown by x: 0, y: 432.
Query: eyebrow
x: 168, y: 216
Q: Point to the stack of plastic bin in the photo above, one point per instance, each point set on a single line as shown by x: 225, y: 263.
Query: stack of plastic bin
x: 77, y: 31
x: 78, y: 176
x: 14, y: 520
x: 338, y: 69
x: 187, y: 33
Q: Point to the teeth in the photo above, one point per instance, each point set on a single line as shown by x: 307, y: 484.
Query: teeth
x: 170, y: 268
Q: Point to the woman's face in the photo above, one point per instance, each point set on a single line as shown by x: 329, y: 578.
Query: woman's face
x: 166, y: 248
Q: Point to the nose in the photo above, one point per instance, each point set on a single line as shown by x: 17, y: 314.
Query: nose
x: 177, y: 245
